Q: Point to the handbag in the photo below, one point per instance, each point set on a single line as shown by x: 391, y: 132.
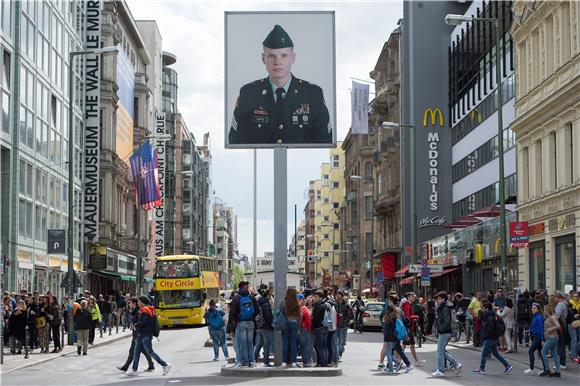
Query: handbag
x: 576, y: 324
x: 40, y: 322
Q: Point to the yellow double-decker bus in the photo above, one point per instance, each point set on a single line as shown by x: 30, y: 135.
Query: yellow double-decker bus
x: 184, y: 284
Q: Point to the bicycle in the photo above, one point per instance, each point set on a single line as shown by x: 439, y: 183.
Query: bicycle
x: 461, y: 328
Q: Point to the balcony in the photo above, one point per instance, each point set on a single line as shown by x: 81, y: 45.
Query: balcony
x: 387, y: 200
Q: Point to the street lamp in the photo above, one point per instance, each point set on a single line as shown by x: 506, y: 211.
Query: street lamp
x: 395, y: 125
x: 371, y: 179
x: 71, y: 170
x: 453, y: 19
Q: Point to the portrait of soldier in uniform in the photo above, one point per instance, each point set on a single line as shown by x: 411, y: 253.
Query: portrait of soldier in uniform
x: 280, y: 108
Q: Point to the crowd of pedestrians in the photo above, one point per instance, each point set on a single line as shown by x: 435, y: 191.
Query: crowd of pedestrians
x: 35, y: 321
x: 314, y: 325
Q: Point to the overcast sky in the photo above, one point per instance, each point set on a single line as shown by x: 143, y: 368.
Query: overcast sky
x: 194, y: 32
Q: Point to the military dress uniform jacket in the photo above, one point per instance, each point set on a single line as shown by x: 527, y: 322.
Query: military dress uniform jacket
x: 304, y: 117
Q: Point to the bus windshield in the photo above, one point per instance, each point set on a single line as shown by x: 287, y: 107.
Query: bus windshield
x: 174, y: 269
x: 179, y: 299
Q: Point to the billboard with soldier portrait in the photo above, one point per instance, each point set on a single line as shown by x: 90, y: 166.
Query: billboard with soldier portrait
x: 280, y: 79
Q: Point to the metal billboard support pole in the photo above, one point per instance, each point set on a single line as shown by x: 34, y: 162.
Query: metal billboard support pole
x: 280, y: 236
x: 255, y: 222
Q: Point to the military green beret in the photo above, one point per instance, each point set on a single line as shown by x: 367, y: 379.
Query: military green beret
x: 278, y: 38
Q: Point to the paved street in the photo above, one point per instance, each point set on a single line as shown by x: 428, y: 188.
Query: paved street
x: 192, y: 365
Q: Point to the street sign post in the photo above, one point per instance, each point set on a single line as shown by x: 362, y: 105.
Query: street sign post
x: 426, y: 277
x: 416, y: 268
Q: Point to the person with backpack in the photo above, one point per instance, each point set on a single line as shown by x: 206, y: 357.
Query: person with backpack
x: 265, y: 331
x: 390, y: 338
x: 147, y: 326
x: 565, y: 318
x: 331, y: 338
x: 134, y: 312
x: 214, y: 318
x: 443, y: 325
x: 243, y: 310
x: 524, y: 317
x: 319, y: 328
x: 552, y: 332
x: 492, y: 328
x: 537, y: 335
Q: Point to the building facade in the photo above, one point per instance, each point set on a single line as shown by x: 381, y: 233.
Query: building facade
x: 35, y: 41
x: 547, y: 41
x: 225, y: 236
x: 357, y: 211
x: 385, y: 107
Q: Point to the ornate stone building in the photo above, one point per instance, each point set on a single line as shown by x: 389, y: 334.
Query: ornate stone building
x: 546, y: 35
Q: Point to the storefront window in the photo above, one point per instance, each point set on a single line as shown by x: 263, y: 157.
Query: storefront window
x: 565, y: 262
x: 537, y: 265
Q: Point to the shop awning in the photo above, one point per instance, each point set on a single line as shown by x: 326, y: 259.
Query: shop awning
x: 490, y: 211
x: 463, y: 222
x: 407, y: 281
x: 445, y: 272
x: 401, y: 272
x: 114, y: 275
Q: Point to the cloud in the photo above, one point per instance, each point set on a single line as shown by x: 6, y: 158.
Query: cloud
x: 194, y: 32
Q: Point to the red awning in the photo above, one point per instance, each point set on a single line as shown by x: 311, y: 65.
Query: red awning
x: 490, y: 211
x: 406, y: 281
x: 444, y: 272
x: 463, y: 222
x: 401, y: 272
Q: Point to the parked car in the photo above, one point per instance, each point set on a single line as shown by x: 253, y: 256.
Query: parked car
x: 372, y: 315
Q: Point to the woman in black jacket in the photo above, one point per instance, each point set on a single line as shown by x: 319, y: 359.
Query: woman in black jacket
x: 17, y: 326
x: 389, y: 337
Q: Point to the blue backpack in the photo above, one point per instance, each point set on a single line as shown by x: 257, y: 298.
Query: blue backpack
x: 216, y: 321
x: 400, y: 330
x: 246, y: 308
x: 280, y: 321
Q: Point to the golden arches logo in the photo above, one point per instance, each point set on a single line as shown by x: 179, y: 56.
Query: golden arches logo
x: 433, y: 113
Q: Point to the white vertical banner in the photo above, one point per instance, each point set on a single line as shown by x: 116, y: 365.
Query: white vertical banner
x: 91, y: 113
x: 159, y: 212
x: 359, y: 100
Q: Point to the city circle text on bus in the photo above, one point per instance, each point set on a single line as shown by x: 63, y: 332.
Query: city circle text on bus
x: 175, y: 284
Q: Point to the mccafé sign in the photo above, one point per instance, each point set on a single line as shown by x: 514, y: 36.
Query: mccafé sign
x: 174, y: 284
x: 433, y: 116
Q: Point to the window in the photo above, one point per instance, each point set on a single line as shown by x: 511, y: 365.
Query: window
x: 553, y: 159
x: 335, y: 184
x: 525, y: 174
x: 369, y: 210
x: 5, y: 86
x: 369, y: 244
x: 336, y: 226
x: 538, y: 168
x: 335, y: 161
x: 369, y: 170
x: 336, y: 247
x: 353, y: 213
x: 335, y: 205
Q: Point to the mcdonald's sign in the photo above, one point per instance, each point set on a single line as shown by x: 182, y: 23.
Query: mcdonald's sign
x: 432, y: 113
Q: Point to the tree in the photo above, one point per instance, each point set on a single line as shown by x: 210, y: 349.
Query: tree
x: 238, y: 275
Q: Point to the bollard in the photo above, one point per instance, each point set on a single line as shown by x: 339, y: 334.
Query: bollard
x: 116, y: 323
x: 26, y: 341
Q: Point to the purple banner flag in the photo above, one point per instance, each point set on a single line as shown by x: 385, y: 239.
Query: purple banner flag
x: 146, y: 176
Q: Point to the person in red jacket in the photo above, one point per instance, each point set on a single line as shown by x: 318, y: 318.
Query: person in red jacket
x: 305, y: 332
x: 407, y: 307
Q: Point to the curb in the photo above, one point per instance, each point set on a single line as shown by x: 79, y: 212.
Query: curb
x: 478, y: 350
x: 265, y: 372
x: 43, y: 360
